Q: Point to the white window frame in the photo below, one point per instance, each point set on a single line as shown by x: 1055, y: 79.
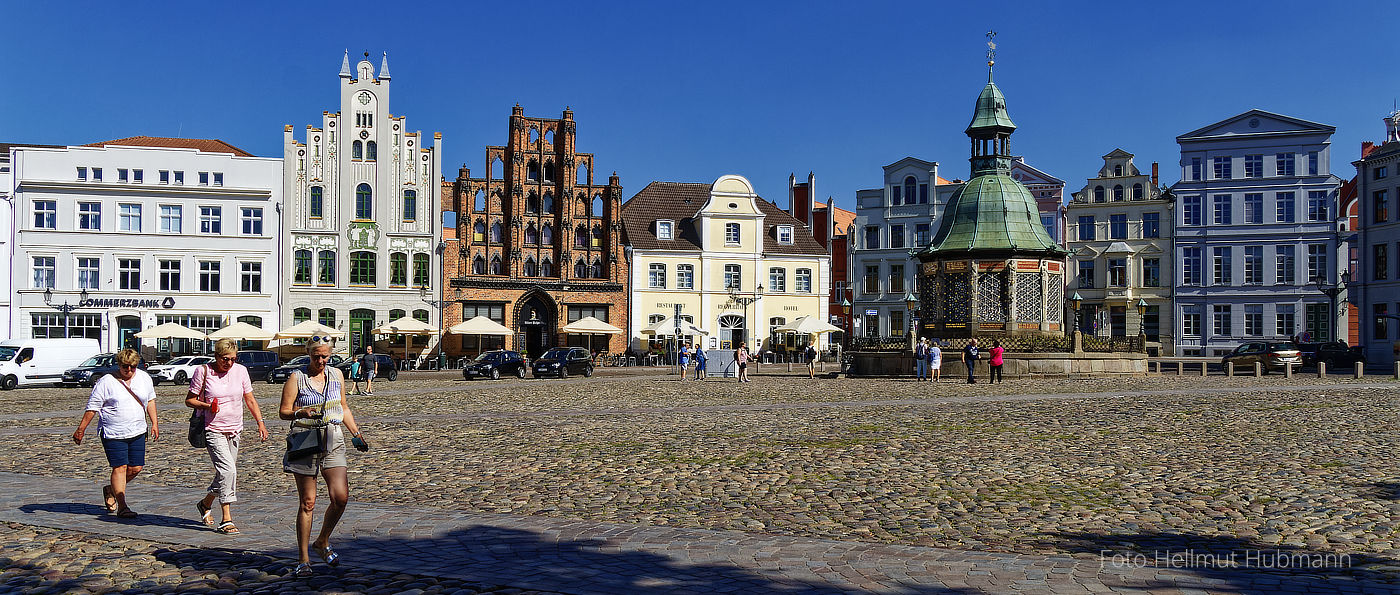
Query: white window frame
x: 665, y: 229
x: 129, y: 217
x: 785, y: 235
x: 802, y: 281
x: 211, y: 220
x: 251, y: 216
x: 777, y: 279
x: 656, y: 275
x: 45, y: 214
x: 685, y: 276
x: 91, y: 212
x: 732, y: 234
x: 171, y: 218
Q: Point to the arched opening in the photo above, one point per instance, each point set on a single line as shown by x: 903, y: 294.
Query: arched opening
x: 479, y: 266
x: 532, y: 203
x: 581, y: 269
x: 301, y: 315
x: 364, y: 202
x: 549, y: 137
x: 1117, y: 192
x: 532, y: 171
x: 596, y: 269
x: 580, y: 237
x: 546, y: 268
x: 1098, y: 194
x: 357, y: 150
x: 532, y: 235
x: 479, y: 201
x: 496, y: 268
x: 597, y: 237
x: 479, y: 232
x: 371, y: 151
x: 911, y: 190
x: 731, y: 331
x: 495, y: 232
x: 582, y: 174
x: 1137, y: 191
x: 549, y: 171
x: 597, y: 209
x: 497, y: 170
x: 1118, y: 170
x: 535, y: 322
x: 534, y: 135
x: 531, y: 269
x: 547, y: 235
x: 548, y: 204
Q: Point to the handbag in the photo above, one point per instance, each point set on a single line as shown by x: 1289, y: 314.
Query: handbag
x: 197, y: 422
x: 311, y: 442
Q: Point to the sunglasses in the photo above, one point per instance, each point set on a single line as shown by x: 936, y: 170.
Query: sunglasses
x: 229, y: 359
x: 126, y: 366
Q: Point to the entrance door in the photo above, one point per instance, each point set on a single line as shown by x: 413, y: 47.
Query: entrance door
x: 731, y: 331
x: 361, y: 322
x: 127, y: 327
x: 535, y: 321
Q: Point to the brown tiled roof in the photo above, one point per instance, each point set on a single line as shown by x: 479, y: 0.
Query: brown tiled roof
x: 207, y: 145
x: 680, y: 202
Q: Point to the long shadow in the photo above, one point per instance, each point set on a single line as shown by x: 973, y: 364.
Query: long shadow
x: 83, y: 508
x: 1381, y: 490
x: 1232, y: 563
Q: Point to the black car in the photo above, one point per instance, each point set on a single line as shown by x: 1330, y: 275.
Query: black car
x: 1335, y: 353
x: 283, y: 372
x: 385, y: 367
x: 92, y: 370
x: 562, y: 361
x: 259, y: 363
x: 494, y: 364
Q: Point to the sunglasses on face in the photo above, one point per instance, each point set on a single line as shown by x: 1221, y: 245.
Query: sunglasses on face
x: 126, y: 366
x: 229, y: 359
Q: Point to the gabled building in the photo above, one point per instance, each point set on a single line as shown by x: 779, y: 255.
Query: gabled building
x: 830, y: 226
x: 1377, y: 276
x: 1049, y: 194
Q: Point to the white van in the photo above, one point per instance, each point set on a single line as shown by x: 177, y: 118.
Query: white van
x: 30, y: 362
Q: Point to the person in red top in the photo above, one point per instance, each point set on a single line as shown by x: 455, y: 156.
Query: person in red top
x: 220, y: 391
x: 996, y: 362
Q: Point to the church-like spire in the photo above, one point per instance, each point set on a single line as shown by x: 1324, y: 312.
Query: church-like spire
x: 345, y: 71
x: 384, y: 67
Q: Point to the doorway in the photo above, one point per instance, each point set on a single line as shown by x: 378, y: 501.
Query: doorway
x: 535, y: 321
x: 127, y: 327
x: 361, y: 322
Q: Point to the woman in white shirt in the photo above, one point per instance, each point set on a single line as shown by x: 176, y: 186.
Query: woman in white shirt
x: 122, y: 402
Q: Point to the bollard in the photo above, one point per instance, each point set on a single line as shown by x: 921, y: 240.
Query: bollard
x: 1204, y: 365
x: 1258, y: 369
x: 1288, y: 370
x: 1397, y: 370
x: 1229, y: 368
x: 1358, y: 370
x: 1321, y: 369
x: 1180, y: 367
x: 789, y: 365
x: 821, y: 366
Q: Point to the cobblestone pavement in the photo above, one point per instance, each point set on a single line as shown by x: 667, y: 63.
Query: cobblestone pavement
x: 879, y: 485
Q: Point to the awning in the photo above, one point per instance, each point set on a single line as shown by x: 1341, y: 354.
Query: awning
x: 589, y: 325
x: 480, y: 325
x: 171, y: 330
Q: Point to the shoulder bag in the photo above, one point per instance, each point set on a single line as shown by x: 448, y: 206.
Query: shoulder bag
x: 197, y: 421
x: 311, y: 441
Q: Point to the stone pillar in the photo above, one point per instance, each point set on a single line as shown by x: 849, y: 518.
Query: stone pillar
x: 1358, y: 370
x: 1288, y: 370
x: 1229, y: 368
x: 1321, y: 369
x: 1258, y: 369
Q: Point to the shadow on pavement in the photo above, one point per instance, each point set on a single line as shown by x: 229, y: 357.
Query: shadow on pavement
x: 83, y: 508
x: 1381, y: 490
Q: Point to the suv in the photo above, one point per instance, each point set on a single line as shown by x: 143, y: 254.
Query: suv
x: 178, y: 370
x: 385, y: 367
x: 493, y: 364
x: 562, y: 361
x: 1335, y: 353
x: 284, y: 371
x: 92, y: 370
x: 259, y: 363
x: 1273, y: 354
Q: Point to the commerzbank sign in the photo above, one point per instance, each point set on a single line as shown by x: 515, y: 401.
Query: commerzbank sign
x: 149, y: 304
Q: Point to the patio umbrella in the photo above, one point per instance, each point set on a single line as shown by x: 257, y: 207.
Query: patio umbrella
x: 667, y: 326
x: 808, y: 325
x: 407, y: 325
x: 171, y: 330
x: 308, y: 328
x: 243, y: 331
x: 590, y: 326
x: 479, y: 326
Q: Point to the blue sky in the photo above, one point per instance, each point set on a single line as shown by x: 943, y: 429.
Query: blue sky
x: 691, y: 91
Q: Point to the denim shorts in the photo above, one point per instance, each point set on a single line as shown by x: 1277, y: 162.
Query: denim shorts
x: 126, y: 451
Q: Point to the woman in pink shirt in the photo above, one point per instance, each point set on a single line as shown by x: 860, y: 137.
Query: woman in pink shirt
x: 996, y: 362
x: 220, y: 391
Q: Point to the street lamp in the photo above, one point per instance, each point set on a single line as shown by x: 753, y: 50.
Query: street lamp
x: 1332, y: 291
x: 911, y: 302
x: 64, y: 307
x: 1074, y: 302
x: 1142, y: 322
x: 744, y: 301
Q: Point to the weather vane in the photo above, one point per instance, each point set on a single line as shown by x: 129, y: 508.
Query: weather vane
x: 991, y: 48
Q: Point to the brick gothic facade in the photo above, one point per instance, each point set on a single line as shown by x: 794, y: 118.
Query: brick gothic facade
x: 537, y: 245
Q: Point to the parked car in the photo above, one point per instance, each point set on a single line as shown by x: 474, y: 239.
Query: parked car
x: 281, y: 373
x: 1335, y: 353
x: 92, y: 370
x: 1275, y: 355
x: 385, y: 367
x: 259, y: 363
x: 30, y: 362
x: 178, y: 370
x: 493, y: 364
x: 562, y: 361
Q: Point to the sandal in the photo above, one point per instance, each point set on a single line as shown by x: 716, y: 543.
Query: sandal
x: 126, y: 513
x: 328, y: 554
x: 302, y: 569
x: 206, y: 514
x: 228, y: 528
x: 109, y: 500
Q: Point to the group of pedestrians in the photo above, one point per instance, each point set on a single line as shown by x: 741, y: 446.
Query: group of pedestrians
x: 696, y: 355
x: 928, y: 360
x: 313, y: 400
x: 687, y: 356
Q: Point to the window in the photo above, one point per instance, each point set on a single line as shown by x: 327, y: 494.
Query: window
x: 1118, y: 226
x: 803, y: 282
x: 685, y: 276
x: 300, y: 315
x: 1117, y: 170
x: 301, y: 267
x: 1191, y: 266
x: 577, y: 313
x: 546, y: 268
x: 548, y: 202
x: 1222, y: 212
x: 1284, y: 320
x: 1086, y: 228
x: 1313, y: 163
x: 250, y: 276
x: 180, y: 177
x: 129, y: 274
x: 1253, y: 265
x: 1048, y: 221
x: 170, y: 218
x: 777, y: 279
x: 82, y: 174
x: 170, y: 275
x: 1380, y: 173
x: 1151, y: 225
x: 1254, y: 320
x: 1195, y: 168
x: 316, y: 209
x: 1221, y: 262
x: 496, y: 232
x: 1151, y: 272
x: 896, y: 323
x: 209, y: 275
x: 872, y: 279
x: 895, y: 195
x: 479, y: 232
x: 326, y: 272
x: 1117, y: 272
x: 1191, y: 210
x: 494, y: 312
x: 90, y: 216
x: 897, y: 278
x: 129, y: 217
x: 896, y: 236
x: 580, y: 268
x: 218, y: 178
x: 45, y: 214
x: 923, y: 194
x: 364, y: 202
x: 420, y: 270
x: 88, y: 272
x: 656, y: 276
x: 1285, y: 207
x: 1253, y: 166
x: 357, y: 150
x: 785, y: 234
x: 1191, y: 321
x: 479, y: 266
x: 547, y: 236
x: 731, y: 234
x: 204, y: 178
x: 909, y: 193
x: 1152, y: 323
x: 1254, y: 208
x: 1380, y: 206
x: 1222, y: 168
x: 165, y: 176
x: 531, y: 269
x: 597, y: 237
x: 731, y: 276
x: 211, y: 220
x: 398, y: 269
x: 1098, y: 194
x: 1137, y: 191
x: 1379, y: 268
x: 1283, y: 164
x: 326, y: 316
x: 123, y: 175
x: 252, y: 221
x: 872, y: 237
x: 1221, y: 324
x: 663, y: 230
x: 1317, y: 262
x: 1086, y: 274
x: 97, y: 174
x: 921, y: 234
x: 1317, y: 205
x: 362, y: 268
x: 410, y: 205
x: 532, y: 235
x: 371, y: 151
x: 1379, y: 313
x: 1286, y: 259
x: 1117, y: 192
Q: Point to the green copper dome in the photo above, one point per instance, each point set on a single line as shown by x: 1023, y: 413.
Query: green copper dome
x: 991, y: 110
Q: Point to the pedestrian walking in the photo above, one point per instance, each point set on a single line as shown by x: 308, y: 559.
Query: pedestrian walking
x: 684, y: 360
x: 935, y: 361
x: 220, y: 391
x: 811, y: 354
x: 996, y: 351
x: 355, y: 376
x: 699, y: 362
x: 921, y: 359
x: 969, y: 358
x: 314, y: 400
x: 123, y: 402
x: 368, y: 366
x: 743, y: 358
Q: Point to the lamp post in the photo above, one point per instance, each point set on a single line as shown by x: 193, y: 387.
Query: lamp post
x: 1075, y: 301
x: 1142, y: 323
x: 744, y: 301
x: 64, y: 307
x: 1332, y: 291
x: 845, y: 330
x: 911, y: 302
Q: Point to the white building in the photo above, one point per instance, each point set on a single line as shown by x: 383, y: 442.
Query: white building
x: 1377, y: 279
x: 140, y: 231
x: 1257, y: 228
x: 362, y: 246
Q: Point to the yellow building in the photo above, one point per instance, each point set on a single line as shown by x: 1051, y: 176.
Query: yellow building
x: 732, y: 265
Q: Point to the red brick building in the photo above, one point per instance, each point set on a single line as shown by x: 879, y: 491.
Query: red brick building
x: 537, y: 243
x: 829, y: 225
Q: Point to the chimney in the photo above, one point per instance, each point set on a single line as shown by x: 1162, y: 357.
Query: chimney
x: 1154, y: 174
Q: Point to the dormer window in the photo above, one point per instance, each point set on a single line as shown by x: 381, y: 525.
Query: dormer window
x: 785, y: 234
x: 665, y: 230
